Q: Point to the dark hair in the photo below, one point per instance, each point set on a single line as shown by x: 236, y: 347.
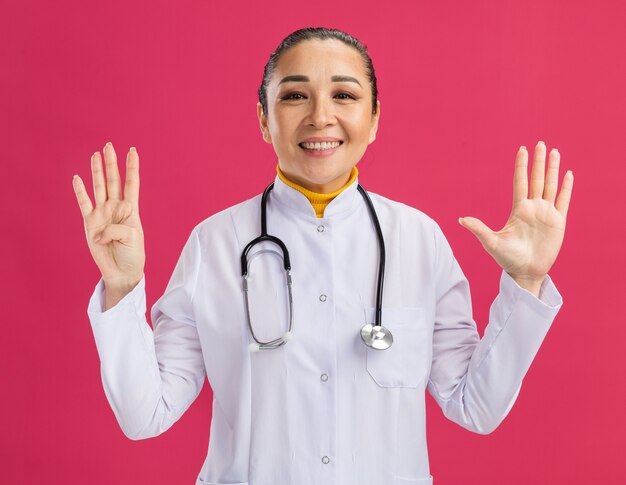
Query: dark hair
x: 316, y: 33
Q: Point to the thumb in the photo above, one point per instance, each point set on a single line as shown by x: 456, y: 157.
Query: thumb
x: 117, y: 232
x: 478, y: 228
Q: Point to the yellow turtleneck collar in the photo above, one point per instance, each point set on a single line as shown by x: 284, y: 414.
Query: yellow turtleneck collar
x: 317, y: 200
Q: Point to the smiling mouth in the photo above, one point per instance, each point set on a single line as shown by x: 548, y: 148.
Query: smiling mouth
x: 320, y: 146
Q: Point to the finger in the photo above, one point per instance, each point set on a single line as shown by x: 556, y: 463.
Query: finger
x: 562, y: 201
x: 131, y: 187
x: 537, y: 174
x: 520, y: 177
x: 552, y: 176
x: 113, y: 174
x: 479, y: 229
x: 84, y: 202
x: 117, y: 232
x: 97, y: 173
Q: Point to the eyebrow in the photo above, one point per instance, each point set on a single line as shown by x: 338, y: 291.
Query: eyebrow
x: 305, y: 79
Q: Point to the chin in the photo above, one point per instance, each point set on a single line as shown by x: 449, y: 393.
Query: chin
x: 321, y: 175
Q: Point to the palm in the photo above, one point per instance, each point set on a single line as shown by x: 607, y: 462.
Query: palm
x: 530, y: 240
x: 528, y: 244
x: 120, y: 253
x: 114, y: 258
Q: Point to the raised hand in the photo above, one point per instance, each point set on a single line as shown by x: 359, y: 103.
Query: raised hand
x: 112, y: 227
x: 528, y: 244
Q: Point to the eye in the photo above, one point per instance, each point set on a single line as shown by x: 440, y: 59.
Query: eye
x: 348, y: 96
x: 293, y: 96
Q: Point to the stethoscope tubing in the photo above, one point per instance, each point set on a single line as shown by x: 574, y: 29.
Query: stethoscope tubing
x: 381, y: 250
x: 264, y: 237
x: 368, y: 331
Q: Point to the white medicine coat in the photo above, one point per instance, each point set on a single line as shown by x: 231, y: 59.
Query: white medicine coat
x: 323, y: 409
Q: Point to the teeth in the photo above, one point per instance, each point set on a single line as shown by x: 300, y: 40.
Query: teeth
x: 325, y: 145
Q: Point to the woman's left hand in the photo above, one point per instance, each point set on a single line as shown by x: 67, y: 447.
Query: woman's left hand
x: 528, y: 244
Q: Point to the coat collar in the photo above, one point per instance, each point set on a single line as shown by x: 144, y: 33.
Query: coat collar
x: 341, y: 205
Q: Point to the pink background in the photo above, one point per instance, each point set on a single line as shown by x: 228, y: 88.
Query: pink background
x: 462, y: 86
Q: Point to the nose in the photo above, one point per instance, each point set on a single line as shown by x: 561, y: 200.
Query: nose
x: 322, y: 113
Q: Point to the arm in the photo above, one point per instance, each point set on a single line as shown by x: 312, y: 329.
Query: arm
x: 151, y: 377
x: 476, y: 381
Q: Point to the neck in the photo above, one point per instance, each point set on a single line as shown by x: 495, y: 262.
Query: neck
x: 318, y: 200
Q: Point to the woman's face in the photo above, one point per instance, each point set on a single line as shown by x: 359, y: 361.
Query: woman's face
x: 319, y: 91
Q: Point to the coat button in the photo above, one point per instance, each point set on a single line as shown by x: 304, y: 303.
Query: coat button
x: 325, y: 460
x: 322, y: 297
x: 324, y: 377
x: 320, y: 228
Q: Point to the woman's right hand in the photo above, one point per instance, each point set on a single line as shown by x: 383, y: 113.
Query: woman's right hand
x: 112, y: 227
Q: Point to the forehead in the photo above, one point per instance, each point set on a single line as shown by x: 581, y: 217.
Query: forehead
x: 320, y: 58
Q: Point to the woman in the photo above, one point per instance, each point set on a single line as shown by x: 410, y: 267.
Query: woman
x: 319, y: 405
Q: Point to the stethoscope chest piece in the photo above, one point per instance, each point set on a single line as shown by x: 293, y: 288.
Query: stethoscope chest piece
x: 376, y: 336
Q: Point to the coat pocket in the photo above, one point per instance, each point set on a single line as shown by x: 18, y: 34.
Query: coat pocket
x: 406, y: 362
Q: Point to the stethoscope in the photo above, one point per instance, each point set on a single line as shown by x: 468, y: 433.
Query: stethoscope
x: 373, y: 335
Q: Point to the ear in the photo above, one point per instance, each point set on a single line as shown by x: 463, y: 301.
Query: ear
x: 265, y: 131
x: 374, y: 125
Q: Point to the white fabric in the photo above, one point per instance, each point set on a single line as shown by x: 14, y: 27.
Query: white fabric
x: 324, y: 408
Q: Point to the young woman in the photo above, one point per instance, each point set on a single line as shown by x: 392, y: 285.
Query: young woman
x: 320, y: 339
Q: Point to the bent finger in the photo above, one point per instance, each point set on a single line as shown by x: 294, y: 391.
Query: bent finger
x: 116, y: 232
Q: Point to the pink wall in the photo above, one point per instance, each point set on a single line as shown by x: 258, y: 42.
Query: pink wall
x: 462, y: 86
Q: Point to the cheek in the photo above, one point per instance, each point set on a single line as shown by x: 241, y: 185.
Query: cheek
x: 359, y: 131
x: 283, y: 128
x: 358, y: 125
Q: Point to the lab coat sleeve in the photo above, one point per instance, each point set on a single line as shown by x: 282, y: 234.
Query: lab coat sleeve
x: 150, y: 377
x: 476, y: 381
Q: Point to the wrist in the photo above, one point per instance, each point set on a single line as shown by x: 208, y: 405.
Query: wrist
x: 122, y: 285
x: 114, y: 292
x: 532, y: 284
